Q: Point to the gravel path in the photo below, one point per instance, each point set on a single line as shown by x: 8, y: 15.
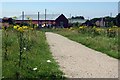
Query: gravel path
x: 78, y: 61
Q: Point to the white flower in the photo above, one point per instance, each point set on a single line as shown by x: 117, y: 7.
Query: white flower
x: 24, y: 48
x: 48, y: 61
x: 34, y: 69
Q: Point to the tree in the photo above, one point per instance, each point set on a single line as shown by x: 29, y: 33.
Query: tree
x: 78, y: 17
x: 8, y: 20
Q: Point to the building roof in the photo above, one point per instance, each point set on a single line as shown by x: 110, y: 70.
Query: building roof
x: 41, y: 17
x: 77, y: 20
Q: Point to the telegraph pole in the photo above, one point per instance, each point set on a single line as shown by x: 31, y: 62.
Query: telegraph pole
x: 118, y: 7
x: 38, y: 19
x: 70, y: 18
x: 22, y: 16
x: 45, y: 17
x: 110, y: 14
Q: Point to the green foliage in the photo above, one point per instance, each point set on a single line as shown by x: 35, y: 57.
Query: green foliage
x: 96, y: 40
x: 35, y: 55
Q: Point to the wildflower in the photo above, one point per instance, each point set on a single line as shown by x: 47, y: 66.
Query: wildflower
x: 70, y: 28
x: 98, y: 29
x: 43, y: 25
x: 24, y: 27
x: 20, y: 29
x: 67, y: 28
x: 24, y: 48
x: 2, y: 76
x: 84, y: 26
x: 48, y: 61
x: 81, y: 27
x: 17, y: 26
x: 34, y: 69
x: 109, y: 29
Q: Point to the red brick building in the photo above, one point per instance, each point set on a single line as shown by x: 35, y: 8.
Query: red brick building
x: 49, y: 20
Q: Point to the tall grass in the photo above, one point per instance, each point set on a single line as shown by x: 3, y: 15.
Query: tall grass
x: 34, y: 57
x: 0, y: 54
x: 102, y: 43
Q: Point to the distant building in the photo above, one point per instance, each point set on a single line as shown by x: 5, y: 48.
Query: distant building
x: 100, y: 22
x: 50, y: 20
x: 76, y: 20
x: 0, y: 23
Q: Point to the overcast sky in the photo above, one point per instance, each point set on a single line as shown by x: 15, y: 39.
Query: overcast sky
x: 86, y: 9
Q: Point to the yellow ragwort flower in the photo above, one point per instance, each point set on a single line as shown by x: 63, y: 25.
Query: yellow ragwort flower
x: 109, y: 29
x: 20, y: 29
x: 81, y: 27
x: 15, y: 27
x: 24, y: 27
x: 98, y: 29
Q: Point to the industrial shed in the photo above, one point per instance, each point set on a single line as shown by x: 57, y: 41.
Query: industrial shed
x: 48, y: 20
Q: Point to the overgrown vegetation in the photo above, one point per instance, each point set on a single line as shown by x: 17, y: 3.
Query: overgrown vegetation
x: 36, y: 59
x: 0, y: 54
x: 101, y: 39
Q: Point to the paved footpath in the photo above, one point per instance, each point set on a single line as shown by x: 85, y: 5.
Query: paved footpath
x: 78, y: 61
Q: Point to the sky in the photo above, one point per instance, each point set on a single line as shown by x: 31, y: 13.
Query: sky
x: 86, y: 9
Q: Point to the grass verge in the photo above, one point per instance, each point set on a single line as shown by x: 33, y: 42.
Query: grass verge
x: 100, y: 43
x: 0, y: 54
x: 36, y: 57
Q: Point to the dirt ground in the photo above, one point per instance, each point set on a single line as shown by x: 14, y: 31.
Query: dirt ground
x: 78, y: 61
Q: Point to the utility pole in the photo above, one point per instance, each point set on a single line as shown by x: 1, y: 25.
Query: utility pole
x: 70, y: 18
x: 110, y: 14
x: 45, y: 17
x: 118, y: 7
x: 22, y: 16
x: 38, y: 19
x: 88, y: 18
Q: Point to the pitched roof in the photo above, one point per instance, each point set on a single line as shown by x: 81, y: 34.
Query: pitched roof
x: 41, y: 17
x: 77, y: 20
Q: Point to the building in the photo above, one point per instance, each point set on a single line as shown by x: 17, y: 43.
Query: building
x: 61, y: 21
x: 0, y: 23
x: 48, y: 20
x: 100, y: 22
x: 80, y: 21
x: 77, y: 19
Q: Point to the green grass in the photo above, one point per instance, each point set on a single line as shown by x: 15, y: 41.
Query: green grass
x: 36, y: 57
x: 0, y: 54
x: 100, y: 43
